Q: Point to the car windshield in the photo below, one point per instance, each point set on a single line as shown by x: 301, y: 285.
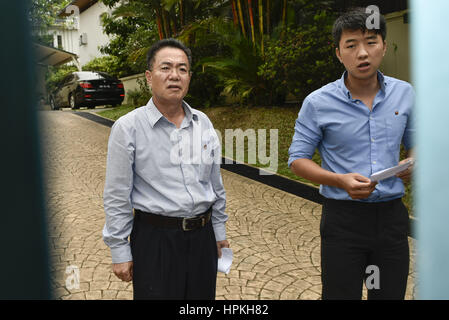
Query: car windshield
x: 93, y: 75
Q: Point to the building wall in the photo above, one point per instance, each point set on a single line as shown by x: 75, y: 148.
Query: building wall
x: 90, y: 24
x: 69, y: 39
x: 396, y: 62
x: 130, y: 83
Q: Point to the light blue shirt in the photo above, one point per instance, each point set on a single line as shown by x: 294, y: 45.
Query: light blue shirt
x: 352, y: 139
x: 155, y: 167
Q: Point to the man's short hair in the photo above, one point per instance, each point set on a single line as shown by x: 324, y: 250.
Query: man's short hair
x: 353, y: 20
x: 171, y: 43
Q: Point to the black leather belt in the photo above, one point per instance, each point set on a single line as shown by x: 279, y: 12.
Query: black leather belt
x: 186, y: 224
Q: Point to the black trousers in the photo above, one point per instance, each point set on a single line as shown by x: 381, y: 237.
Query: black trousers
x: 173, y: 264
x: 356, y: 235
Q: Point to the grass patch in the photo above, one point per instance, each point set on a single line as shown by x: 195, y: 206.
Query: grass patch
x: 281, y: 118
x: 116, y: 112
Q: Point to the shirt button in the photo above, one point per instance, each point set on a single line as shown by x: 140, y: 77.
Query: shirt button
x: 374, y: 162
x: 372, y: 140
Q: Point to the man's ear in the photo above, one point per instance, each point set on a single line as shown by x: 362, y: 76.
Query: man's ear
x: 148, y: 76
x: 337, y: 53
x: 385, y: 47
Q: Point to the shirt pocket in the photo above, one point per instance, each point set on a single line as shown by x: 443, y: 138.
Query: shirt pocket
x: 207, y: 160
x: 395, y: 130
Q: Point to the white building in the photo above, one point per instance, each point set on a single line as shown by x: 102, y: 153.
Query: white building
x: 65, y: 35
x: 80, y: 30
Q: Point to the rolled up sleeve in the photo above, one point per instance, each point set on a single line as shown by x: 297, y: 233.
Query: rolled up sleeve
x: 307, y: 133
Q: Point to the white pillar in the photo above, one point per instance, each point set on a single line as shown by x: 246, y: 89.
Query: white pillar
x: 77, y: 63
x: 430, y: 71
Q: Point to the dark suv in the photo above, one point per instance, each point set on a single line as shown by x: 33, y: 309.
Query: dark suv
x: 87, y: 89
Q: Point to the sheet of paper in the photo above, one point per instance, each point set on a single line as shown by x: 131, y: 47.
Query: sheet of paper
x: 225, y: 262
x: 390, y: 172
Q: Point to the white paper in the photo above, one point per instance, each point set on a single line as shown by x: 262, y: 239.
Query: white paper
x: 390, y: 172
x: 224, y: 263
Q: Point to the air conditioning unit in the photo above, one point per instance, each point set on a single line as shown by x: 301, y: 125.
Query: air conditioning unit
x: 83, y: 39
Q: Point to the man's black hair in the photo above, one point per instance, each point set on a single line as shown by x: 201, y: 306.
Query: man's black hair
x: 171, y: 43
x: 353, y: 20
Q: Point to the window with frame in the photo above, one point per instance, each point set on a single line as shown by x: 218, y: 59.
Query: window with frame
x: 59, y: 38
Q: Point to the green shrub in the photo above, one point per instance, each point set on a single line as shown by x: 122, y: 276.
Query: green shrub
x: 204, y: 90
x: 303, y: 59
x: 108, y: 64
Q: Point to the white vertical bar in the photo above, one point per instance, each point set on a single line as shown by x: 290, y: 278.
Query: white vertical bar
x: 430, y: 71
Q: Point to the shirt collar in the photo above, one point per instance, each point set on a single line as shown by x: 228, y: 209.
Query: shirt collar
x: 154, y: 115
x: 191, y: 114
x: 347, y: 93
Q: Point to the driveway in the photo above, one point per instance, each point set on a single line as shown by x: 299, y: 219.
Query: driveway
x: 274, y: 235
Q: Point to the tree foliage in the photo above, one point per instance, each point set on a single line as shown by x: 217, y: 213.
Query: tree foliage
x: 256, y: 50
x: 136, y: 24
x: 108, y: 64
x: 134, y: 27
x: 302, y: 60
x: 41, y: 15
x: 298, y: 55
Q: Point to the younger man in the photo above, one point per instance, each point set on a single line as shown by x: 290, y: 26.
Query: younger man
x: 357, y: 123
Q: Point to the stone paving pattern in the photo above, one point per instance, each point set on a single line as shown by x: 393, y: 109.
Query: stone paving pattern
x: 274, y: 235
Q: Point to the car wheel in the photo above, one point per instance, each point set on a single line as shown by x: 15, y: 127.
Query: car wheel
x: 72, y: 101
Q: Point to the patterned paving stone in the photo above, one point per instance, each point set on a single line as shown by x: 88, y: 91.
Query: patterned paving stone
x: 274, y: 235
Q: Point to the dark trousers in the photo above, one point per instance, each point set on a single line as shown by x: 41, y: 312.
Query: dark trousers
x: 171, y: 263
x: 356, y: 235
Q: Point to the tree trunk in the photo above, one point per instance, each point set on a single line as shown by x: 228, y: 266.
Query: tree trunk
x: 173, y: 25
x: 251, y: 20
x: 268, y: 18
x: 181, y: 13
x: 284, y: 13
x: 261, y: 25
x: 159, y: 25
x: 242, y: 22
x: 166, y: 24
x: 234, y: 13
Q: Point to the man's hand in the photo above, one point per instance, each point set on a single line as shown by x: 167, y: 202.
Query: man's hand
x: 406, y: 175
x: 222, y: 244
x: 123, y: 271
x: 356, y: 185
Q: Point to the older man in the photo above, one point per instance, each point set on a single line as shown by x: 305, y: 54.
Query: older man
x: 162, y: 162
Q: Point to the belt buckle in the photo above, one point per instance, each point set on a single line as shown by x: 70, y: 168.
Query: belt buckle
x: 184, y: 225
x: 184, y: 222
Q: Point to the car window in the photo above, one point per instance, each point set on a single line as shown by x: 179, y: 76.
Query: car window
x: 105, y: 75
x: 94, y: 76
